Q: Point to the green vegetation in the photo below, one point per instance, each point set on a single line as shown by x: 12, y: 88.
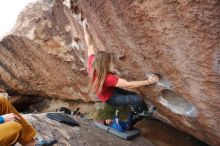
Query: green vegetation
x: 109, y: 111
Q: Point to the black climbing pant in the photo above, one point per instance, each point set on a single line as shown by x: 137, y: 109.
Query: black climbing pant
x: 121, y: 97
x: 133, y: 120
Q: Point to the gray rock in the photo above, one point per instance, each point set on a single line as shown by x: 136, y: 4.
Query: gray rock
x: 85, y: 135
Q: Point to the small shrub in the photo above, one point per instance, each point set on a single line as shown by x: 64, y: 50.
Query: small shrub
x: 109, y: 111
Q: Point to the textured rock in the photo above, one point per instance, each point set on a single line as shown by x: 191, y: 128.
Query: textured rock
x: 162, y: 134
x: 27, y: 69
x: 37, y: 60
x: 177, y: 39
x: 85, y: 135
x: 153, y: 133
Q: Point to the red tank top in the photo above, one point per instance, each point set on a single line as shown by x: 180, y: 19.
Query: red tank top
x: 109, y: 84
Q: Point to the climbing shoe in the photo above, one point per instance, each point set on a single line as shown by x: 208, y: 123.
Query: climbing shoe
x: 42, y: 142
x: 151, y: 108
x: 148, y: 113
x: 143, y: 113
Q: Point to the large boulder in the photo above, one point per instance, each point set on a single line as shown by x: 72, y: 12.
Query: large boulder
x: 36, y: 58
x: 177, y: 39
x: 26, y: 68
x: 45, y: 54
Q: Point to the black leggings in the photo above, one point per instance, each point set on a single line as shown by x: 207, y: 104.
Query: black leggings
x: 132, y: 121
x: 121, y: 97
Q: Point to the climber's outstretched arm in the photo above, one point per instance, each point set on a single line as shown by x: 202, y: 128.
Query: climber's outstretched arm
x: 122, y: 83
x: 88, y: 39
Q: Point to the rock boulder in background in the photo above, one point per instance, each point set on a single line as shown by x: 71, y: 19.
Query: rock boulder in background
x: 36, y: 58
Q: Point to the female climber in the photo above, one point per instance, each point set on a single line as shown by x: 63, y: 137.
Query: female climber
x: 110, y: 88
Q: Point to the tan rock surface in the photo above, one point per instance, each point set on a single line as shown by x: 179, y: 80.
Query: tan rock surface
x: 27, y: 68
x: 85, y: 135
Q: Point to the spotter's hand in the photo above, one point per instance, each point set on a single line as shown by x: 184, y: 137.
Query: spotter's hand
x: 11, y: 117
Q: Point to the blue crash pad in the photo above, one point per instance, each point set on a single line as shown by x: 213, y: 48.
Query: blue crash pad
x: 128, y: 134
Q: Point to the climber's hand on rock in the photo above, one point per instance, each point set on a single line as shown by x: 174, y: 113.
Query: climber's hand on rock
x: 153, y: 79
x: 85, y: 24
x: 11, y: 117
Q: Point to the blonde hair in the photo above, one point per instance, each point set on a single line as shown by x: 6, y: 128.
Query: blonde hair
x: 100, y: 67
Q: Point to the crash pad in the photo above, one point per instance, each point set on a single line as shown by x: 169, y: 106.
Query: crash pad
x: 128, y: 134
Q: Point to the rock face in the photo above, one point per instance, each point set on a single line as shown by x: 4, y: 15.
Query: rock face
x: 85, y: 135
x: 180, y: 40
x: 27, y: 68
x: 37, y: 60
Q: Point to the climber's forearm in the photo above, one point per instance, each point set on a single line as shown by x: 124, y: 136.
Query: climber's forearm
x: 89, y: 42
x: 137, y: 84
x: 122, y: 83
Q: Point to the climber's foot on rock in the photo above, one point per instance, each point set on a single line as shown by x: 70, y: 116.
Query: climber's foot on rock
x: 144, y: 113
x: 149, y: 112
x: 151, y: 109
